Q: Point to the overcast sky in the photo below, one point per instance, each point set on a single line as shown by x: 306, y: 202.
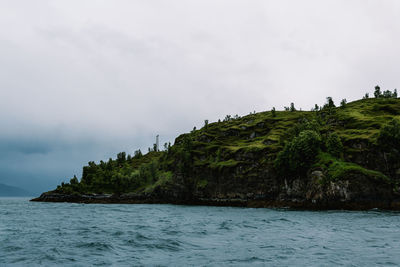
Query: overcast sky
x: 82, y: 80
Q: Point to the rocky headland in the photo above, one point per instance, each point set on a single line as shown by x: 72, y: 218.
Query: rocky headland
x: 345, y: 157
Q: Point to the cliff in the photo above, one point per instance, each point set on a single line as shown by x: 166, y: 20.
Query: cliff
x: 330, y: 158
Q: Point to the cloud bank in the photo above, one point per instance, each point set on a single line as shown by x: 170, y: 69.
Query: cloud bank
x: 83, y: 80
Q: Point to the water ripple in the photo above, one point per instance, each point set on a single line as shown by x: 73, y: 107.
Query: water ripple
x: 56, y: 234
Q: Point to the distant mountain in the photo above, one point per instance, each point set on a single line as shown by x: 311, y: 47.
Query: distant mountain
x: 12, y: 191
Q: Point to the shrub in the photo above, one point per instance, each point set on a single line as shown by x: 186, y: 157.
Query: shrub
x: 329, y: 102
x: 334, y: 145
x: 273, y: 112
x: 389, y: 136
x: 298, y: 155
x: 377, y: 92
x: 343, y: 103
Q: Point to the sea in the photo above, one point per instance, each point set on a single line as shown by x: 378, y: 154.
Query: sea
x: 67, y: 234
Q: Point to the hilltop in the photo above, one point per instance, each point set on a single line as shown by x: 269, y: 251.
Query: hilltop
x: 330, y: 157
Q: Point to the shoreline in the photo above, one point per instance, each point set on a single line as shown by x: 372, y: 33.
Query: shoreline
x: 296, y: 204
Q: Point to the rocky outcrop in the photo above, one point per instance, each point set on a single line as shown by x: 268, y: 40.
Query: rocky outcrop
x: 358, y: 192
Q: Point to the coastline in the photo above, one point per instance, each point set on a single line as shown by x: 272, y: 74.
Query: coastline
x: 393, y: 205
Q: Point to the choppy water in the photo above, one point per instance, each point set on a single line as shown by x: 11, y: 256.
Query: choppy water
x: 52, y: 234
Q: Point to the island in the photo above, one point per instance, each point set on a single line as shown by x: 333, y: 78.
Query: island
x: 332, y: 157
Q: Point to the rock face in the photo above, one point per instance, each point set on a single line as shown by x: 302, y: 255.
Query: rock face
x: 357, y: 193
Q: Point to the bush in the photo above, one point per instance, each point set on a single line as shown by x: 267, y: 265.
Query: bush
x: 298, y: 155
x: 334, y: 145
x: 377, y: 92
x: 343, y: 103
x: 329, y: 102
x: 389, y: 136
x: 273, y: 112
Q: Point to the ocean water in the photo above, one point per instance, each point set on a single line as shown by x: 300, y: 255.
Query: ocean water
x: 58, y: 234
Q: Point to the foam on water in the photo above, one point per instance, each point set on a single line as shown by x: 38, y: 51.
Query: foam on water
x: 52, y: 234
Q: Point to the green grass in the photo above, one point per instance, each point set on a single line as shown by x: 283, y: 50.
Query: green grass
x: 224, y: 164
x: 163, y: 179
x: 336, y: 169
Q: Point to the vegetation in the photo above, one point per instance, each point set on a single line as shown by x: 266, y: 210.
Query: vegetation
x: 334, y: 145
x: 298, y: 154
x: 338, y: 141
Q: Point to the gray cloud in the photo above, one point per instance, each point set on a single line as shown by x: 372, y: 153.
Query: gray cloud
x: 81, y: 81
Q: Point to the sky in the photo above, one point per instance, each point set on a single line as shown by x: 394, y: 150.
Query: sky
x: 82, y: 80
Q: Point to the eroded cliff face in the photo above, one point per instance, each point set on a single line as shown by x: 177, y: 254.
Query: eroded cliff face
x: 358, y: 192
x: 255, y: 183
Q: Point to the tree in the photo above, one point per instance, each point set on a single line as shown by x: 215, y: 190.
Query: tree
x: 366, y: 96
x: 316, y: 108
x: 121, y: 158
x: 292, y: 108
x: 377, y: 92
x: 329, y: 102
x: 74, y: 181
x: 387, y: 94
x: 273, y: 112
x: 394, y: 93
x: 343, y: 103
x: 389, y: 136
x: 389, y: 143
x: 334, y: 145
x: 298, y: 155
x: 138, y: 154
x: 206, y: 124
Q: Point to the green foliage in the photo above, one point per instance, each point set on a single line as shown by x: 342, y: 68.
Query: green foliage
x: 137, y: 154
x: 302, y: 125
x: 74, y: 181
x: 184, y: 156
x: 329, y: 103
x: 298, y: 155
x: 202, y: 183
x: 343, y: 103
x: 273, y: 112
x: 336, y: 169
x: 389, y: 136
x: 292, y: 108
x: 385, y: 94
x: 121, y: 158
x: 334, y: 145
x: 377, y: 92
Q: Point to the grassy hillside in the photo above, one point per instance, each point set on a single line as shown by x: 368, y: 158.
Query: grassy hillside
x: 258, y: 152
